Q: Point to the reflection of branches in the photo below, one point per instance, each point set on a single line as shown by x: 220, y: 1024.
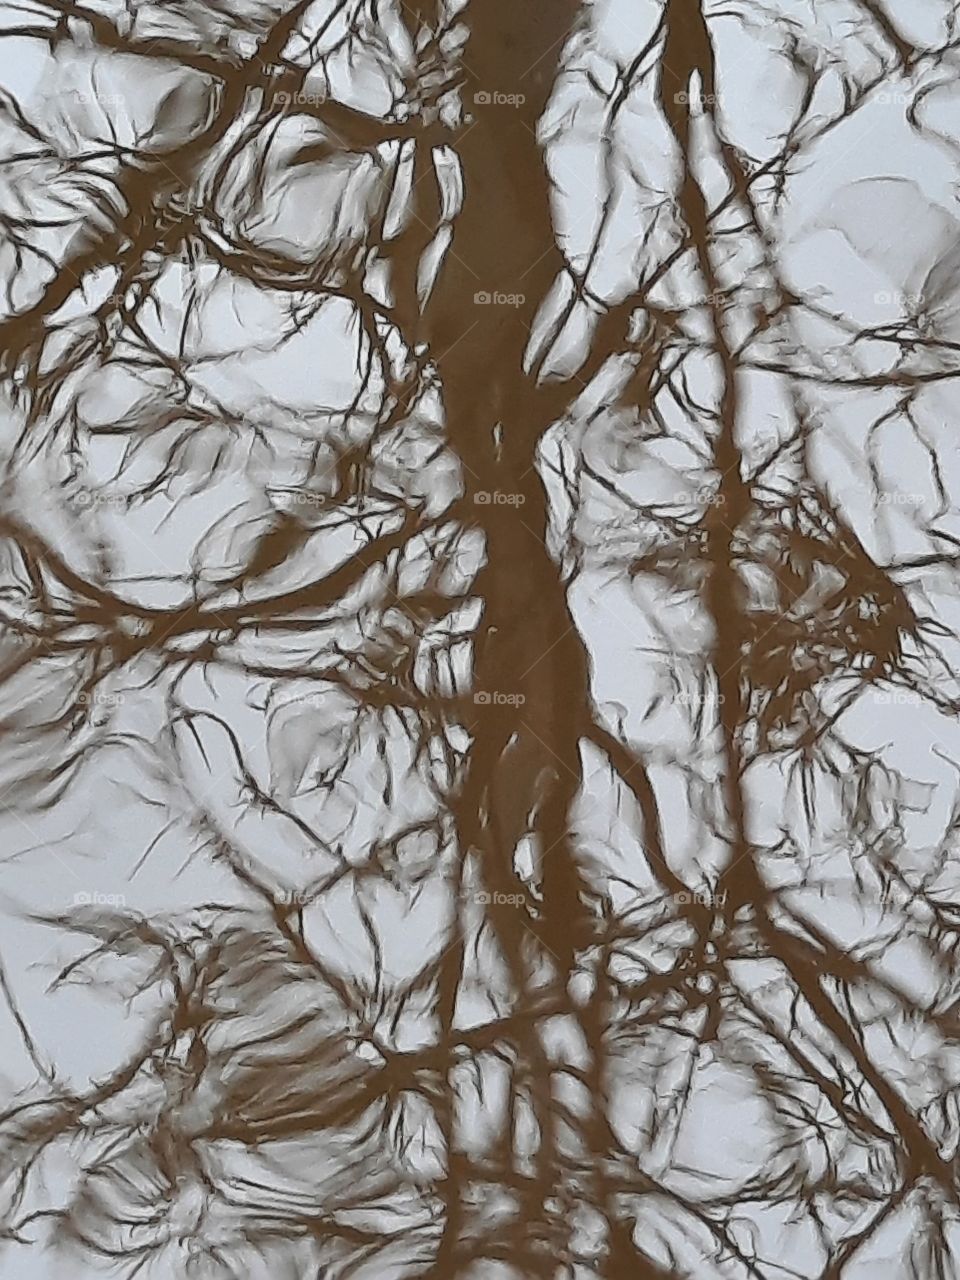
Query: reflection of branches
x: 460, y: 998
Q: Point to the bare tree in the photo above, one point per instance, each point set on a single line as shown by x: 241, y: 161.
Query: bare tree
x: 476, y: 484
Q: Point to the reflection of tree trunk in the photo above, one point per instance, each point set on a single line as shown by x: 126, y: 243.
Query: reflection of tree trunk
x: 688, y: 62
x: 525, y: 752
x: 528, y: 646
